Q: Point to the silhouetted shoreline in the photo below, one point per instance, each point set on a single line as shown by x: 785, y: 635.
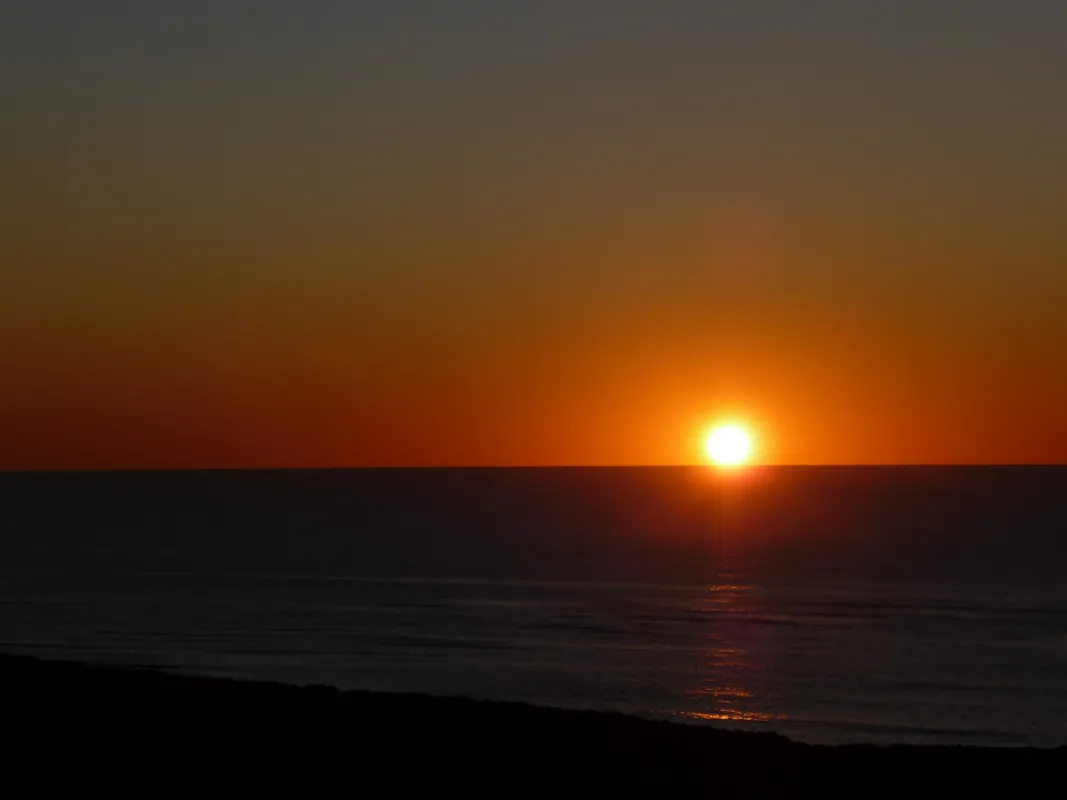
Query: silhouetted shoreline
x: 75, y: 724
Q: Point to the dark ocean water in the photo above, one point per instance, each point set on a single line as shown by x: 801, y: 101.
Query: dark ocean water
x: 921, y: 605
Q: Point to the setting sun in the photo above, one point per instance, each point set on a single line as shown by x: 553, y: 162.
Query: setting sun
x: 728, y: 445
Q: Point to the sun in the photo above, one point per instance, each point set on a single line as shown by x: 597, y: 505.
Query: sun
x: 729, y: 445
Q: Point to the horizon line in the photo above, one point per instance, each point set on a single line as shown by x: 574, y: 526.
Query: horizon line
x: 468, y: 467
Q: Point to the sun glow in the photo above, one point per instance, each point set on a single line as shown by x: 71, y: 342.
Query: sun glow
x: 729, y: 445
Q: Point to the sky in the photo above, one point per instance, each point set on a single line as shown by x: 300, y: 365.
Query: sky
x: 328, y: 234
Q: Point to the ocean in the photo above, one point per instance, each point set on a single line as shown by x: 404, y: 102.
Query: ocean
x: 921, y: 605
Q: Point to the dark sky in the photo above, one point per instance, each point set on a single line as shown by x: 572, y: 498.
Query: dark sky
x: 343, y: 233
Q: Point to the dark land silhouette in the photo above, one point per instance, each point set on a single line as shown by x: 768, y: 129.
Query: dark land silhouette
x: 156, y: 733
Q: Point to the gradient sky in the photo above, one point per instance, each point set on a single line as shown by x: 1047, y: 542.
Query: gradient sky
x: 345, y: 233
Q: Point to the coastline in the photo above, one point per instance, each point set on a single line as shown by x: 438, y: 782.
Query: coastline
x: 71, y: 724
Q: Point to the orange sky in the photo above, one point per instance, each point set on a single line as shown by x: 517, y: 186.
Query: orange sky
x: 457, y: 253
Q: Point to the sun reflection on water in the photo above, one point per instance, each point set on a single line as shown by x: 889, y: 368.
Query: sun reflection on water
x: 735, y: 663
